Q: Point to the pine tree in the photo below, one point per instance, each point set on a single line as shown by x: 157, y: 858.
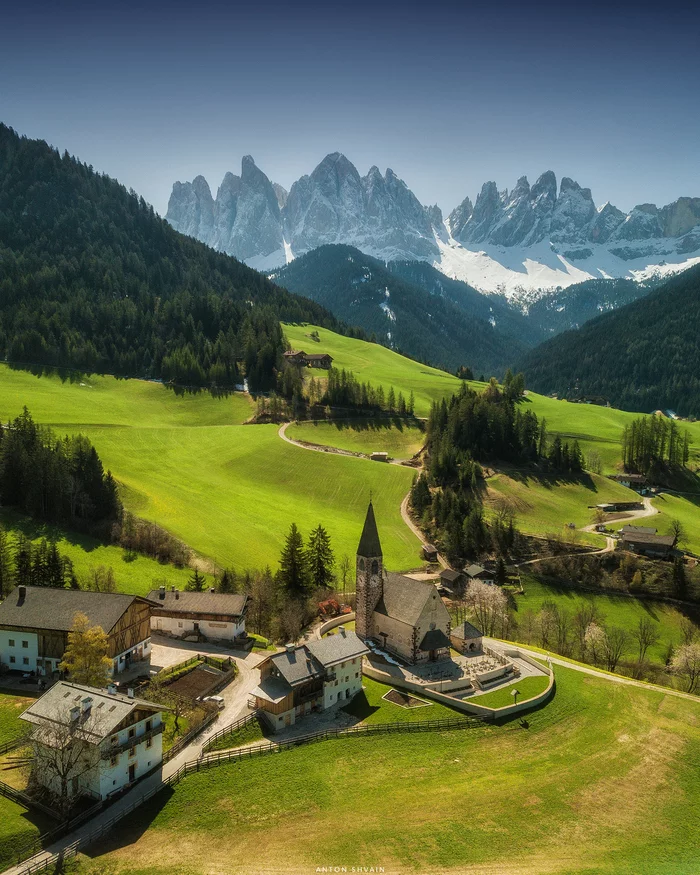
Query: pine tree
x: 196, y: 582
x: 293, y: 573
x: 319, y: 558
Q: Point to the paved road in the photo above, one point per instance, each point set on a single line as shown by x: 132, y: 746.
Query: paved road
x: 236, y: 699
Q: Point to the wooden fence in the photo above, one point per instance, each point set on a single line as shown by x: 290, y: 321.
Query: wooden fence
x: 186, y: 739
x: 231, y: 728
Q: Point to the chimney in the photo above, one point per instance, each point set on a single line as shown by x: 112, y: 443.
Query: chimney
x: 130, y: 692
x: 212, y: 589
x: 177, y: 594
x: 342, y: 631
x: 161, y: 592
x: 22, y: 592
x: 289, y: 648
x: 86, y: 706
x: 172, y: 588
x: 74, y: 713
x: 112, y: 689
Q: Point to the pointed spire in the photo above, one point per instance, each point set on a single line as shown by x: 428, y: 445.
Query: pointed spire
x: 370, y: 546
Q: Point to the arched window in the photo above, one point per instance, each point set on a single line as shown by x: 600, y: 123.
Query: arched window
x: 362, y: 564
x: 375, y: 567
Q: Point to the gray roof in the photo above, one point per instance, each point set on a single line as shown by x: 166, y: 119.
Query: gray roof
x: 337, y: 648
x: 107, y: 712
x: 272, y: 689
x: 45, y: 607
x: 297, y: 665
x: 435, y: 639
x: 655, y: 540
x: 637, y: 530
x: 449, y: 575
x: 465, y: 630
x: 404, y: 598
x: 223, y: 604
x: 477, y: 571
x: 370, y: 546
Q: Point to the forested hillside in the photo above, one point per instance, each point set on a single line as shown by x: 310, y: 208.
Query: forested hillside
x: 91, y: 278
x: 641, y: 357
x: 403, y: 315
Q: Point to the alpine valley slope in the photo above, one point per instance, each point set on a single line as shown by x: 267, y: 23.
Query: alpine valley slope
x: 521, y: 243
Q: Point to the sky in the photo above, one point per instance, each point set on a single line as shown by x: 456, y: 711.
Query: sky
x: 447, y: 94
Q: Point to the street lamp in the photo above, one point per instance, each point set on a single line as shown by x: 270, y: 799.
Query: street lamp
x: 515, y: 695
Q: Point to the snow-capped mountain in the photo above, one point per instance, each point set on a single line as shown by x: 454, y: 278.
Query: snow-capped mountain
x: 521, y: 243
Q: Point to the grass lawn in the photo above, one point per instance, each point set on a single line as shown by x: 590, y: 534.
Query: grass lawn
x: 528, y: 687
x: 369, y: 707
x: 19, y: 827
x: 616, y: 610
x: 605, y: 779
x: 245, y: 735
x: 138, y: 575
x: 685, y: 508
x: 11, y: 707
x: 367, y: 436
x: 378, y: 365
x: 545, y: 504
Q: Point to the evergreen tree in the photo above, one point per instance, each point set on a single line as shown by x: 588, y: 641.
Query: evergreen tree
x: 293, y: 573
x: 319, y: 558
x: 196, y: 582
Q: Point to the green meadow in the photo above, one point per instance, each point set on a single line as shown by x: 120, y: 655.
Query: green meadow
x: 605, y: 778
x: 545, y: 504
x: 399, y: 439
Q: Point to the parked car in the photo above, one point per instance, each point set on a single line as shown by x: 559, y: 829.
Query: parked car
x: 216, y: 700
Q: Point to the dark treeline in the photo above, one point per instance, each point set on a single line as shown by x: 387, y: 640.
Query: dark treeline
x: 55, y: 479
x: 653, y: 441
x: 22, y: 561
x: 92, y: 279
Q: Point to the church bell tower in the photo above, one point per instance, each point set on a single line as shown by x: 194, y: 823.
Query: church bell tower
x: 369, y: 576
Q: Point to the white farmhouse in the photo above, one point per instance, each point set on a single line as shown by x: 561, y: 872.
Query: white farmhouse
x: 212, y: 615
x: 311, y: 677
x: 90, y: 742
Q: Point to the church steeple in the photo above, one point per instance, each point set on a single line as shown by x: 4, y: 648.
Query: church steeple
x: 370, y: 546
x: 369, y: 575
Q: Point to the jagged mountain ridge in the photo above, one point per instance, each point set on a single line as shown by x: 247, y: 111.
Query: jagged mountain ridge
x: 530, y: 240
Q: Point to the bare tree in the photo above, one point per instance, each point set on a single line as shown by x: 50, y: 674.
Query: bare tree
x: 345, y: 571
x: 546, y: 623
x: 677, y: 529
x: 586, y: 614
x: 562, y: 629
x: 615, y: 644
x: 689, y: 631
x: 528, y: 625
x: 686, y: 664
x: 646, y: 635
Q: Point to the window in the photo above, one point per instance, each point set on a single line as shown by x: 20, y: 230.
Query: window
x: 114, y: 761
x: 132, y: 732
x: 12, y: 659
x: 149, y: 725
x: 149, y: 742
x: 357, y: 674
x: 25, y: 660
x: 25, y: 644
x: 11, y: 642
x: 114, y: 739
x: 132, y: 752
x: 179, y: 624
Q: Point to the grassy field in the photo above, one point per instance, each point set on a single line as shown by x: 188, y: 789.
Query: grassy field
x: 228, y: 491
x: 528, y: 687
x: 605, y: 779
x: 678, y: 507
x: 11, y: 727
x: 370, y: 706
x: 367, y: 436
x: 378, y: 365
x: 616, y: 610
x: 545, y: 504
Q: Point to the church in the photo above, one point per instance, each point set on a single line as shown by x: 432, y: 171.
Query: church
x: 405, y: 617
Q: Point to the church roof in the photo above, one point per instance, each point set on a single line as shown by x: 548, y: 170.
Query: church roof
x: 403, y: 598
x: 369, y: 542
x: 466, y: 631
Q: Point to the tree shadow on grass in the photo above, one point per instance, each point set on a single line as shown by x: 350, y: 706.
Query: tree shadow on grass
x: 13, y: 521
x: 377, y: 424
x: 550, y: 479
x: 360, y: 707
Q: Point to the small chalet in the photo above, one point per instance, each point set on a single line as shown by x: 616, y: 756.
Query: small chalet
x: 311, y: 677
x: 478, y: 572
x: 631, y: 481
x: 452, y: 581
x: 406, y: 617
x: 295, y: 357
x: 35, y: 622
x: 430, y: 552
x: 210, y: 615
x: 637, y: 530
x: 108, y: 740
x: 319, y: 360
x: 467, y: 638
x: 654, y: 546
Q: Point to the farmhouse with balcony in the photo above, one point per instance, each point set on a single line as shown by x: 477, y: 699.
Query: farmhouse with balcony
x: 311, y: 677
x: 309, y: 360
x: 215, y: 616
x: 405, y: 617
x: 107, y: 741
x: 478, y: 572
x: 35, y: 622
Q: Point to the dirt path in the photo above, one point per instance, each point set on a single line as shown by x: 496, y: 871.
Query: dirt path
x: 648, y: 510
x: 323, y: 448
x: 406, y: 517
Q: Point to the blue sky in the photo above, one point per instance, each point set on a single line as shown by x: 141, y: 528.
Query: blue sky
x: 447, y: 94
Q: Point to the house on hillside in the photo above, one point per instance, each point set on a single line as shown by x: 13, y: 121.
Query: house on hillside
x: 478, y: 572
x: 637, y: 530
x: 452, y: 581
x: 319, y: 360
x: 405, y: 617
x: 430, y: 552
x: 35, y: 622
x: 311, y: 677
x: 631, y: 481
x: 295, y: 357
x: 107, y: 741
x: 212, y: 615
x: 653, y: 546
